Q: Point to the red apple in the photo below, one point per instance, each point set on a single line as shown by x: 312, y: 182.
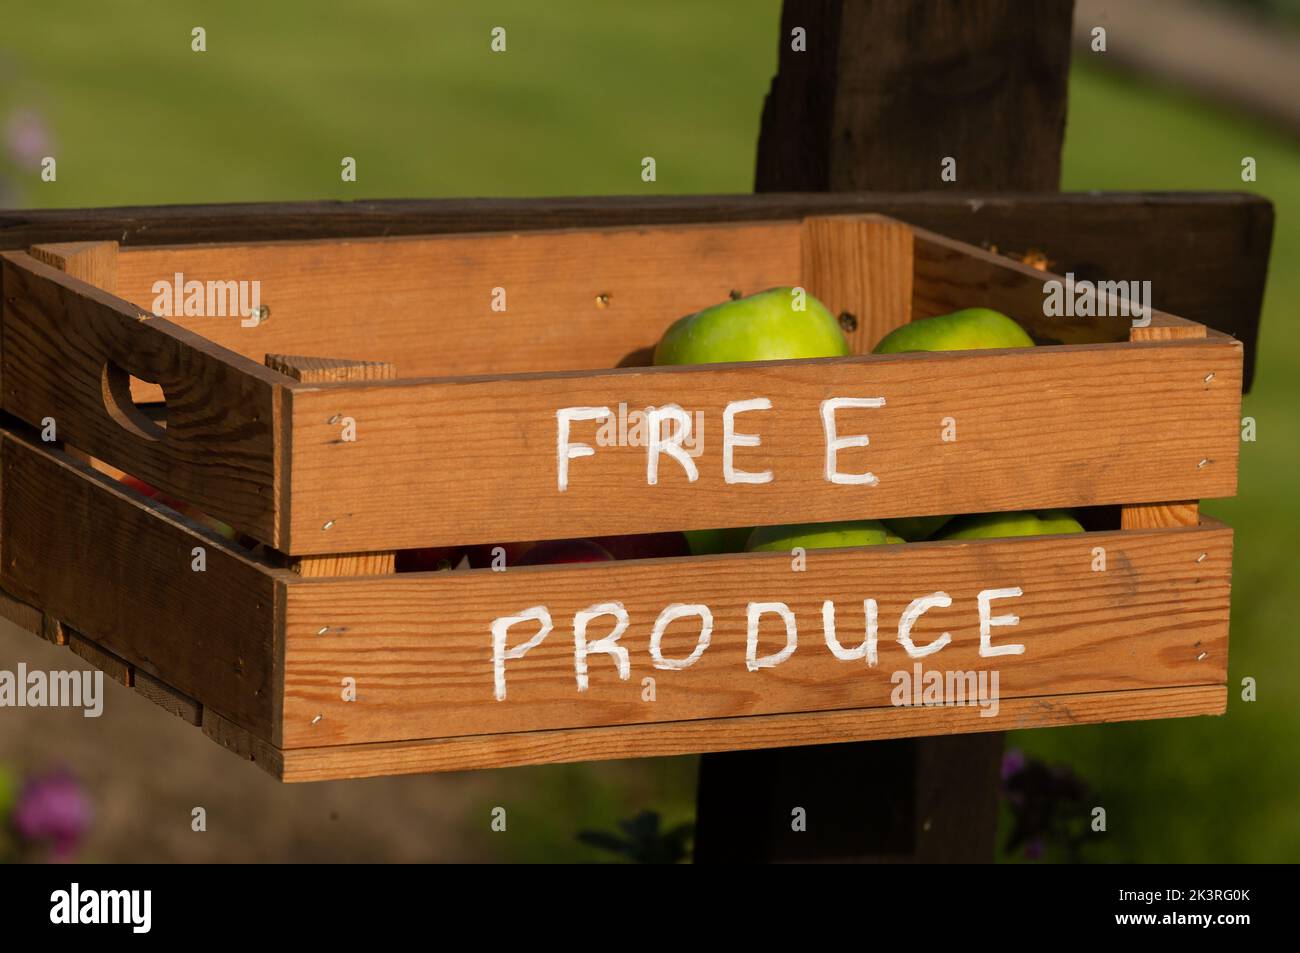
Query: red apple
x: 480, y: 556
x: 428, y: 558
x: 139, y: 485
x: 180, y: 506
x: 565, y: 551
x: 645, y: 545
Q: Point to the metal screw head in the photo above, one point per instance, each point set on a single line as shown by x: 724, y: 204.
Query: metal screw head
x: 602, y: 300
x: 849, y: 322
x: 262, y: 313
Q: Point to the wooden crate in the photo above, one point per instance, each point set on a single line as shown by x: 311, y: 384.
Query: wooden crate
x: 454, y: 410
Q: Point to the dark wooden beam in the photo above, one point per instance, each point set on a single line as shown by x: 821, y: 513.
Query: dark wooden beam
x: 884, y: 91
x: 1206, y: 254
x: 882, y: 802
x: 898, y: 87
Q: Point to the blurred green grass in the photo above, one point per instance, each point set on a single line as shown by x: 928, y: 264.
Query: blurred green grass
x: 410, y: 89
x: 413, y: 92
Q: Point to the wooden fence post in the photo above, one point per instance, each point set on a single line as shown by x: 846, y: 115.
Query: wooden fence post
x: 879, y: 97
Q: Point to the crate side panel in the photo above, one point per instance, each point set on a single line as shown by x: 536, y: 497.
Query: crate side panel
x: 477, y: 461
x: 66, y: 343
x: 477, y: 304
x: 118, y: 569
x: 421, y: 647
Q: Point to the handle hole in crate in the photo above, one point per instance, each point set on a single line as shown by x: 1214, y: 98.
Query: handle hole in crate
x: 146, y: 421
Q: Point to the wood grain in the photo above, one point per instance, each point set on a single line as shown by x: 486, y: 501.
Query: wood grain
x: 884, y: 91
x: 68, y: 351
x: 473, y: 461
x: 1166, y: 327
x: 318, y: 370
x: 116, y: 668
x: 1158, y: 515
x: 168, y: 698
x: 420, y: 646
x: 731, y: 734
x: 379, y: 299
x: 22, y: 614
x: 860, y: 267
x: 238, y: 740
x: 110, y: 563
x: 95, y: 263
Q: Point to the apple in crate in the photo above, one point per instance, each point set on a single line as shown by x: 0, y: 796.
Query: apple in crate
x: 999, y: 525
x: 964, y: 330
x: 180, y: 506
x: 709, y: 542
x: 916, y: 528
x: 783, y: 539
x: 555, y: 551
x: 768, y: 326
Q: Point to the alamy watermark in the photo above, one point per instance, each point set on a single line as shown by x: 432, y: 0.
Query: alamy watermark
x: 636, y: 428
x: 78, y: 905
x: 1099, y: 299
x: 209, y: 299
x: 919, y: 688
x: 55, y: 689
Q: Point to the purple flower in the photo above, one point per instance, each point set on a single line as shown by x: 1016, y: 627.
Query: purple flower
x: 1013, y: 762
x: 52, y: 810
x: 27, y: 137
x: 1035, y: 849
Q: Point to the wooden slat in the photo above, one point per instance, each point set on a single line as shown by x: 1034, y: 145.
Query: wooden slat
x: 860, y: 266
x: 116, y: 668
x: 168, y: 698
x: 1166, y: 327
x: 1158, y: 515
x: 241, y: 742
x: 219, y: 448
x: 420, y: 646
x: 378, y: 299
x: 318, y: 370
x: 730, y: 734
x: 1205, y: 253
x: 109, y: 563
x: 951, y: 275
x: 468, y: 461
x: 95, y: 263
x: 20, y: 613
x: 30, y: 618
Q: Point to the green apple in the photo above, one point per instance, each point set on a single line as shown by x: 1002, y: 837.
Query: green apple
x: 709, y: 542
x: 762, y: 327
x: 916, y: 528
x: 997, y: 525
x: 782, y: 539
x: 967, y: 329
